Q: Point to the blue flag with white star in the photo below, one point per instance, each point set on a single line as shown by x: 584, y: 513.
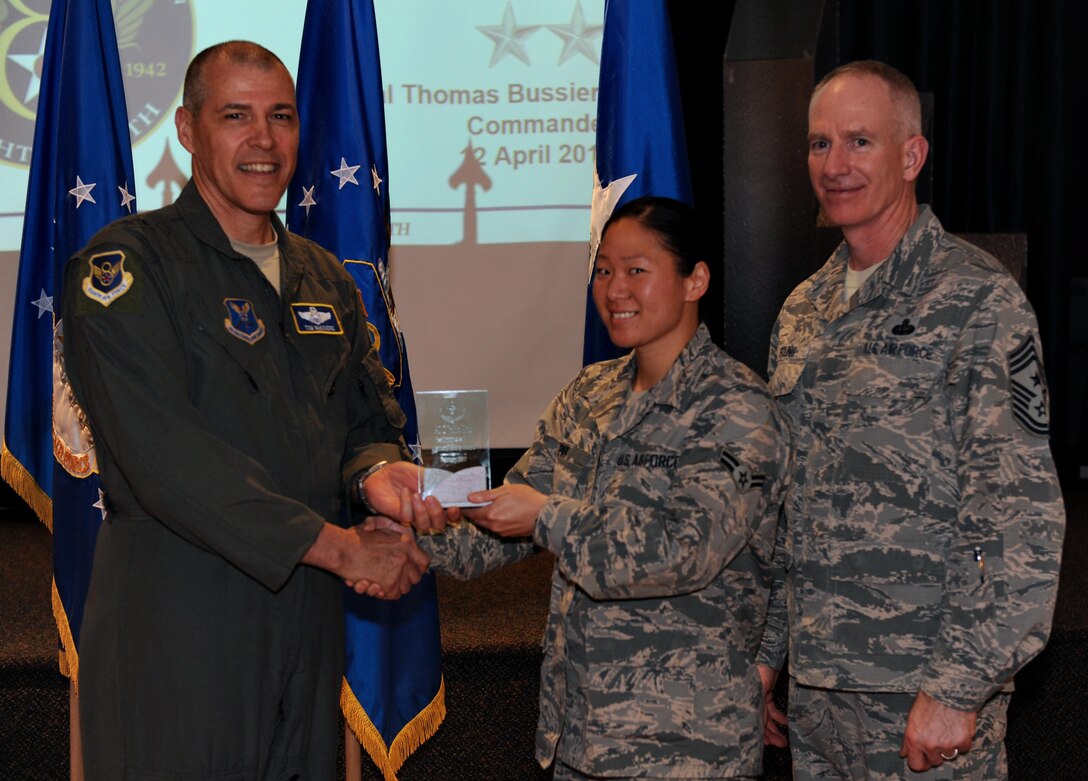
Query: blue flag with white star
x: 641, y: 148
x: 339, y: 197
x: 80, y: 180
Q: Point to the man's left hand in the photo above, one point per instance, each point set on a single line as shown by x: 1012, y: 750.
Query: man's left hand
x: 393, y: 491
x: 935, y: 733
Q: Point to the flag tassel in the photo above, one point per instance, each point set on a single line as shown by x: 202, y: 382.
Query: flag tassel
x: 24, y: 484
x: 67, y: 656
x: 390, y: 759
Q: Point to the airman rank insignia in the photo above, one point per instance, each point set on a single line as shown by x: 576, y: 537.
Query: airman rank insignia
x: 1028, y: 389
x: 316, y: 319
x: 242, y: 322
x: 107, y: 280
x: 744, y: 478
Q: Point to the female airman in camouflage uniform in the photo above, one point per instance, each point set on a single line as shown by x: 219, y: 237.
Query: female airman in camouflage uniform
x: 655, y: 480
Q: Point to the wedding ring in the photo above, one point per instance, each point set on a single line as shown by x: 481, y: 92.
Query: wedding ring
x: 947, y: 757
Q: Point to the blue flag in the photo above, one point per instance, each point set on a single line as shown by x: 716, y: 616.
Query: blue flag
x: 640, y: 130
x: 80, y: 180
x: 393, y: 697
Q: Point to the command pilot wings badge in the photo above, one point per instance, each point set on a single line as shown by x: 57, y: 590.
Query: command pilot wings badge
x: 316, y: 319
x: 1028, y: 388
x: 107, y: 280
x: 242, y: 322
x: 744, y: 478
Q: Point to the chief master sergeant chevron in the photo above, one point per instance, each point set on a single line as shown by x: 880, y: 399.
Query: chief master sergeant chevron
x: 924, y: 520
x: 232, y: 392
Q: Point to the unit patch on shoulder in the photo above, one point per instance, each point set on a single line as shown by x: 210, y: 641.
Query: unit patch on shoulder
x: 1028, y: 387
x: 744, y: 477
x: 316, y: 319
x: 107, y: 280
x: 242, y: 322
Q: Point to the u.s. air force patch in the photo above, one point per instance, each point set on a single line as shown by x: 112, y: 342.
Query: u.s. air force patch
x: 107, y: 280
x: 242, y: 322
x: 1028, y: 386
x: 316, y: 319
x: 744, y: 477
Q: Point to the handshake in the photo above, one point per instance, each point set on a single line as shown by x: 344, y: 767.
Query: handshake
x: 380, y: 557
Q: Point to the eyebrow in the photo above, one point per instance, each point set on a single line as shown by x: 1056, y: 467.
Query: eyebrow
x: 249, y: 106
x: 854, y: 132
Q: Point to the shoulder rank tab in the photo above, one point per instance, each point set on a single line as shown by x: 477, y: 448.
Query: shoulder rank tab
x: 1028, y: 387
x: 744, y: 477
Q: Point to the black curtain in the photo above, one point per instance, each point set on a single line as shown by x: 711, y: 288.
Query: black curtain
x: 1007, y: 79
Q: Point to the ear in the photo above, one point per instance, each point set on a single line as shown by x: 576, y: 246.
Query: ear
x: 915, y: 152
x: 696, y: 283
x: 183, y: 121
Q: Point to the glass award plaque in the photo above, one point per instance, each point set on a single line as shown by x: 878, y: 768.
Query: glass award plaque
x: 453, y: 445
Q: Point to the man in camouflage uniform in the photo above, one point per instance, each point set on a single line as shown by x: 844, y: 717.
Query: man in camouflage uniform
x: 661, y: 510
x: 924, y: 517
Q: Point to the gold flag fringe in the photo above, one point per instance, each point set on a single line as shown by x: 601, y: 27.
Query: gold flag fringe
x: 24, y: 484
x: 19, y: 478
x: 412, y: 736
x: 68, y: 658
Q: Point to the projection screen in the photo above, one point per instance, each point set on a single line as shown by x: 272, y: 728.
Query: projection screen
x: 491, y: 120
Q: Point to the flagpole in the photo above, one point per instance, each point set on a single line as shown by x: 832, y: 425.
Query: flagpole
x: 75, y: 737
x: 392, y: 696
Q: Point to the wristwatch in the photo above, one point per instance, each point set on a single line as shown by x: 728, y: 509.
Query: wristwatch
x: 360, y: 494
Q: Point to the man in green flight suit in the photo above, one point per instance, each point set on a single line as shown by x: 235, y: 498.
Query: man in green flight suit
x: 232, y: 392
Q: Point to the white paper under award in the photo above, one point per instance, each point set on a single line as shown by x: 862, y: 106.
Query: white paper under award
x: 454, y: 445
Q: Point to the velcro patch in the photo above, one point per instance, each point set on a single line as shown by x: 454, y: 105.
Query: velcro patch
x: 1028, y: 387
x: 316, y: 319
x: 744, y: 477
x: 242, y: 322
x: 107, y: 280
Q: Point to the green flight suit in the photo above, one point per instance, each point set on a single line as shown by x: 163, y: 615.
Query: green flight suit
x: 226, y: 419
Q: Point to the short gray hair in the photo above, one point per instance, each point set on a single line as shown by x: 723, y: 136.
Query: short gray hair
x: 236, y: 52
x: 903, y: 92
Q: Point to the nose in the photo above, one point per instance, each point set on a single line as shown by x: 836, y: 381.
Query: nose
x: 616, y: 287
x: 836, y: 162
x: 261, y: 137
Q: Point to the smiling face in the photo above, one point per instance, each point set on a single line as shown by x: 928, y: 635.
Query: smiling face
x: 861, y: 160
x: 244, y: 143
x: 640, y: 295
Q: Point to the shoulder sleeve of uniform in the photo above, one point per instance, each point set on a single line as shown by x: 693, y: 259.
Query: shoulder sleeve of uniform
x: 108, y: 276
x: 1002, y: 568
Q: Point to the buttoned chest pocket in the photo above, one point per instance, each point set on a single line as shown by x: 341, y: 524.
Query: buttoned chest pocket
x: 785, y: 377
x: 881, y: 385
